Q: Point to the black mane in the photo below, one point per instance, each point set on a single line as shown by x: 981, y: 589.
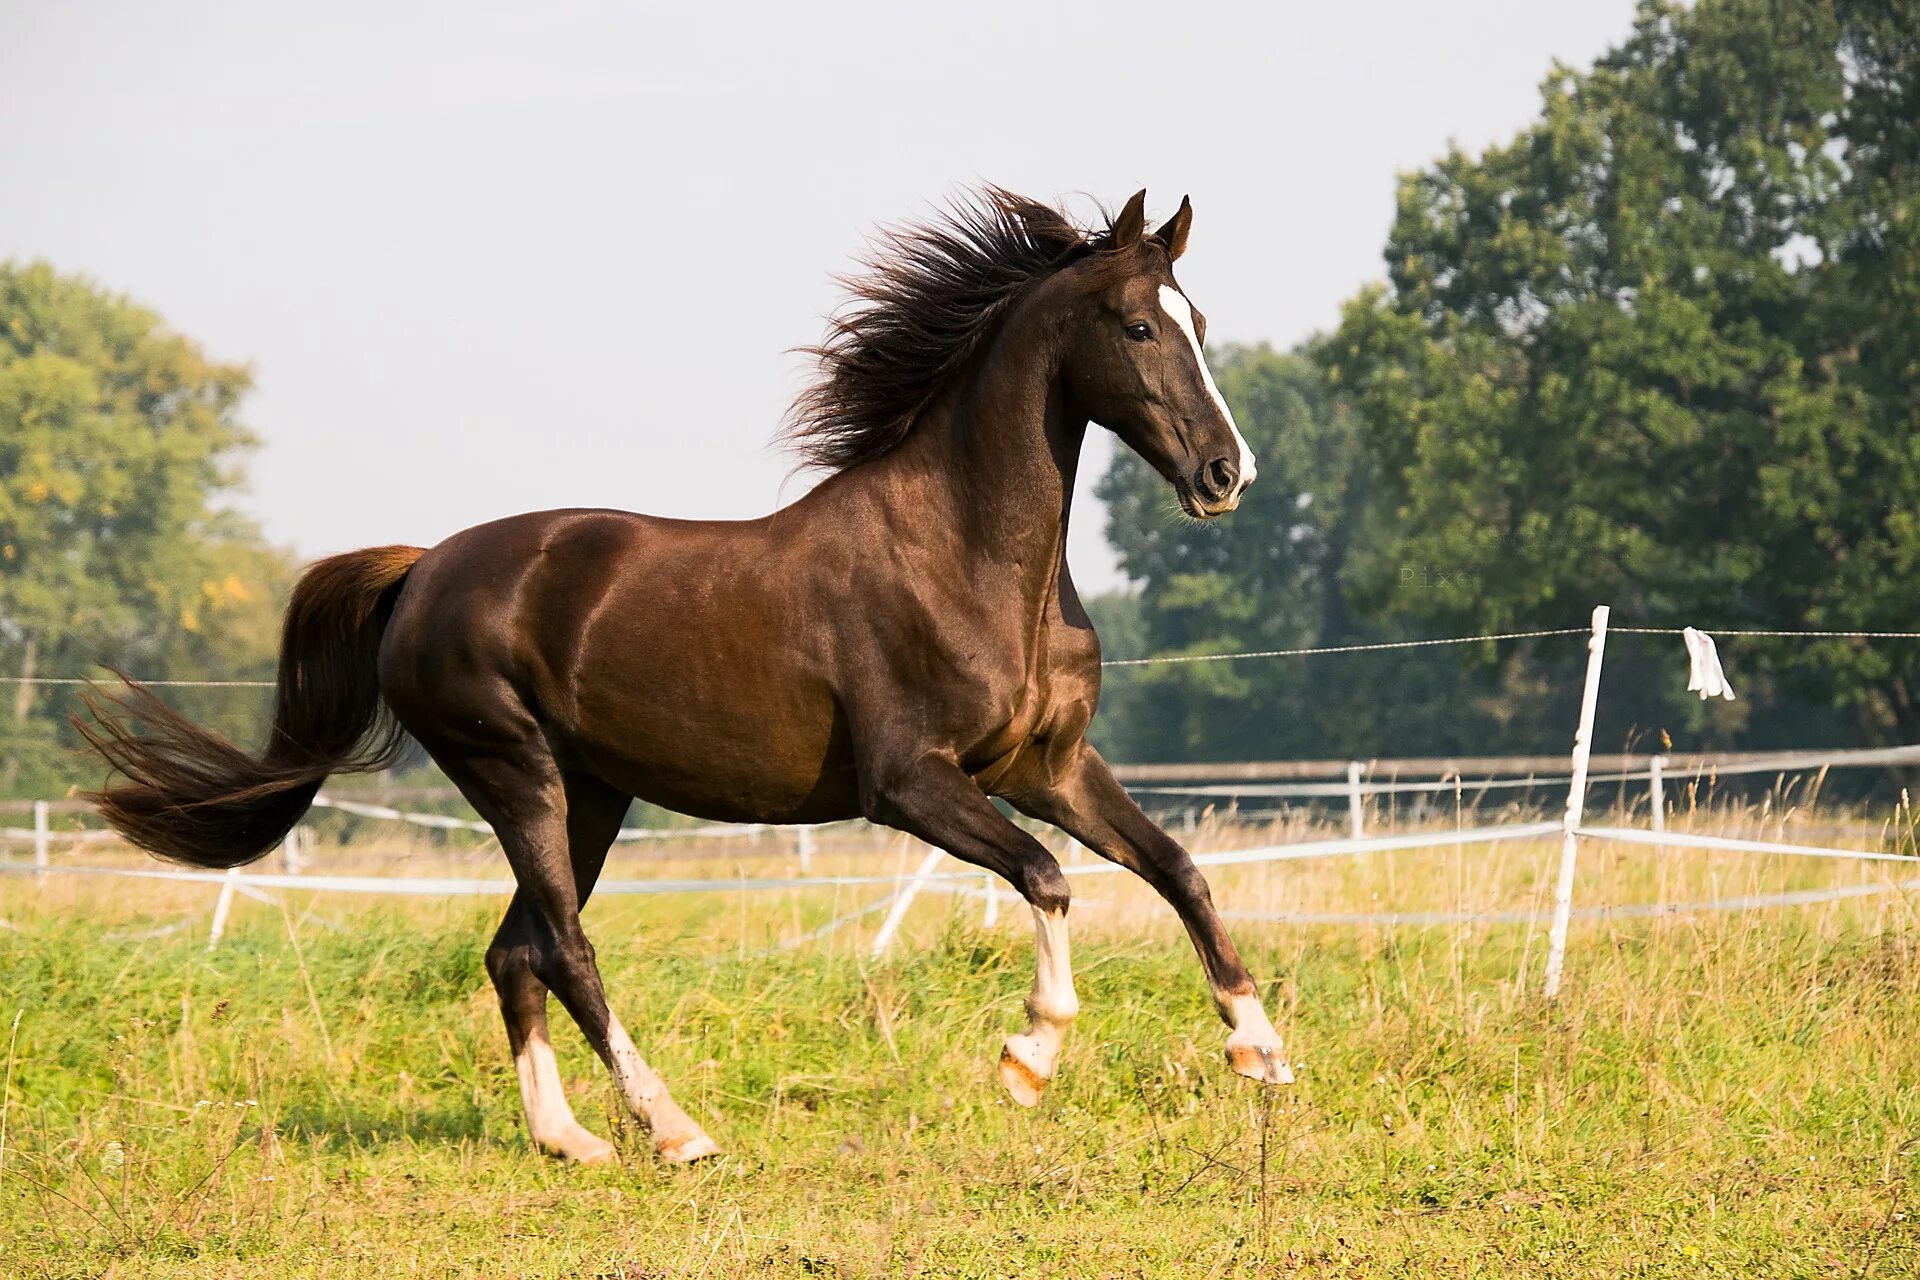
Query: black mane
x: 928, y: 298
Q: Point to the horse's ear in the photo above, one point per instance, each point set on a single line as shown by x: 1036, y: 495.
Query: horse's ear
x: 1131, y: 222
x: 1174, y: 233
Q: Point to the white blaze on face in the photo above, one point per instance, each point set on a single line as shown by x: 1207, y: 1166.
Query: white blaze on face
x: 1180, y: 311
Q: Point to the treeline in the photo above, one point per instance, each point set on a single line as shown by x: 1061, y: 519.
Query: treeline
x: 1661, y: 351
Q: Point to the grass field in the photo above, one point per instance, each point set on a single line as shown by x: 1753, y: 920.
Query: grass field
x: 328, y: 1093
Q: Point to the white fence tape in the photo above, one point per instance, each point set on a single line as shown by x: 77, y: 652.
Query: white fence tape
x: 443, y: 822
x: 435, y: 886
x: 452, y: 887
x: 64, y: 837
x: 1671, y: 839
x: 1624, y: 911
x: 1465, y: 779
x: 480, y: 886
x: 1331, y: 790
x: 1334, y: 848
x: 428, y: 886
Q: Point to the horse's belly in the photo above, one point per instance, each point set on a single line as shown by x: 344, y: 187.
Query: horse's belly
x: 730, y: 789
x: 778, y: 756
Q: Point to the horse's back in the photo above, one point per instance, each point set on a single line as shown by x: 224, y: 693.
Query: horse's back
x: 678, y: 660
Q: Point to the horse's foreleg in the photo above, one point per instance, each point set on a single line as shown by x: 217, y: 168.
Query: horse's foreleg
x: 1029, y: 1058
x: 1088, y: 803
x: 935, y: 801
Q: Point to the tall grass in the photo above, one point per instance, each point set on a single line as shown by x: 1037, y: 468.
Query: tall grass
x: 328, y: 1092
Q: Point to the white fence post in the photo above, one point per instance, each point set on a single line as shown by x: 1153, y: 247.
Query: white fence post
x: 290, y: 852
x: 990, y: 915
x: 1657, y: 791
x: 42, y: 842
x: 1356, y: 802
x: 1576, y: 803
x: 221, y: 908
x: 902, y: 900
x: 804, y: 840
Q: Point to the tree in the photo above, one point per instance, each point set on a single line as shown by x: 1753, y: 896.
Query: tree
x: 117, y: 440
x: 1662, y: 350
x: 1278, y: 575
x: 1264, y: 578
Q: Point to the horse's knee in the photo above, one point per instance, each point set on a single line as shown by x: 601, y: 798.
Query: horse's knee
x: 1043, y: 884
x: 1192, y: 885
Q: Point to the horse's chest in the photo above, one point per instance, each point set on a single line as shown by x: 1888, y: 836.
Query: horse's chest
x: 1052, y: 701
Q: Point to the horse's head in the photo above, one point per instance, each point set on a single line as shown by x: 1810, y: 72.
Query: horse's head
x: 1135, y: 365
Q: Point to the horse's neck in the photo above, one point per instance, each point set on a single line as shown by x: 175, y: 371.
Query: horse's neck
x: 995, y: 458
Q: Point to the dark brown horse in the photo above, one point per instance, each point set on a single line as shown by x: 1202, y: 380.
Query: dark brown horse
x: 900, y: 644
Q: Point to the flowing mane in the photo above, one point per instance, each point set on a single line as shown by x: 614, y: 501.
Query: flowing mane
x: 927, y: 299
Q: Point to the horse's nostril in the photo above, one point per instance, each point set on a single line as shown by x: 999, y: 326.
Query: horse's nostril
x: 1217, y: 478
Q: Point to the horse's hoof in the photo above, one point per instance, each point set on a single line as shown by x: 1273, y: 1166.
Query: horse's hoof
x: 581, y: 1147
x: 686, y: 1148
x: 1022, y: 1081
x: 1262, y: 1062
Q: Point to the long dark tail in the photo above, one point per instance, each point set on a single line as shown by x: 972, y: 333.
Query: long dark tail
x: 191, y: 796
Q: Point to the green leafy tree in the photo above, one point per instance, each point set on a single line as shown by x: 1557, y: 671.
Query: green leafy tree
x: 1261, y: 579
x: 1275, y: 575
x: 117, y: 441
x: 1662, y: 351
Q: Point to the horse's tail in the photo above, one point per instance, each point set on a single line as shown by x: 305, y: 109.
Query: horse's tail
x: 191, y: 796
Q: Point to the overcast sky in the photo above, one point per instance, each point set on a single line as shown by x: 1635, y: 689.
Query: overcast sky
x: 487, y: 259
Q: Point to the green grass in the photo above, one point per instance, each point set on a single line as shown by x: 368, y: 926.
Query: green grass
x: 1715, y: 1095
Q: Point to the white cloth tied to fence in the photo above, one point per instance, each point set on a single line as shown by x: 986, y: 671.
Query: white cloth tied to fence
x: 1705, y: 675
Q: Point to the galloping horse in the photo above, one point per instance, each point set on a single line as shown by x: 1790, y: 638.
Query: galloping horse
x: 900, y: 644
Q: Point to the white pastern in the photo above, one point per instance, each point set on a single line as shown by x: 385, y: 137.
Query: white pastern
x: 1253, y: 1047
x: 1029, y: 1059
x: 1180, y: 311
x: 676, y: 1136
x: 549, y: 1118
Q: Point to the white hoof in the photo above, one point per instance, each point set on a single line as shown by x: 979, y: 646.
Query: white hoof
x: 1023, y: 1071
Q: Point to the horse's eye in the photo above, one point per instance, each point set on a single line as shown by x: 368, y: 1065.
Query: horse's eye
x: 1139, y: 332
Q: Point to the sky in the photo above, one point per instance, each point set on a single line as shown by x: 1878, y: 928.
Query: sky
x: 494, y: 258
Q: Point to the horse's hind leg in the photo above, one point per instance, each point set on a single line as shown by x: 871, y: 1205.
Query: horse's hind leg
x: 523, y: 1003
x: 556, y: 836
x: 594, y: 813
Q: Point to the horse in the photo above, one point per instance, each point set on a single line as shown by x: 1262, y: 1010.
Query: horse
x: 901, y: 644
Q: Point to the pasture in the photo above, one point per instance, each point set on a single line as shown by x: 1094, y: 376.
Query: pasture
x: 328, y: 1093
